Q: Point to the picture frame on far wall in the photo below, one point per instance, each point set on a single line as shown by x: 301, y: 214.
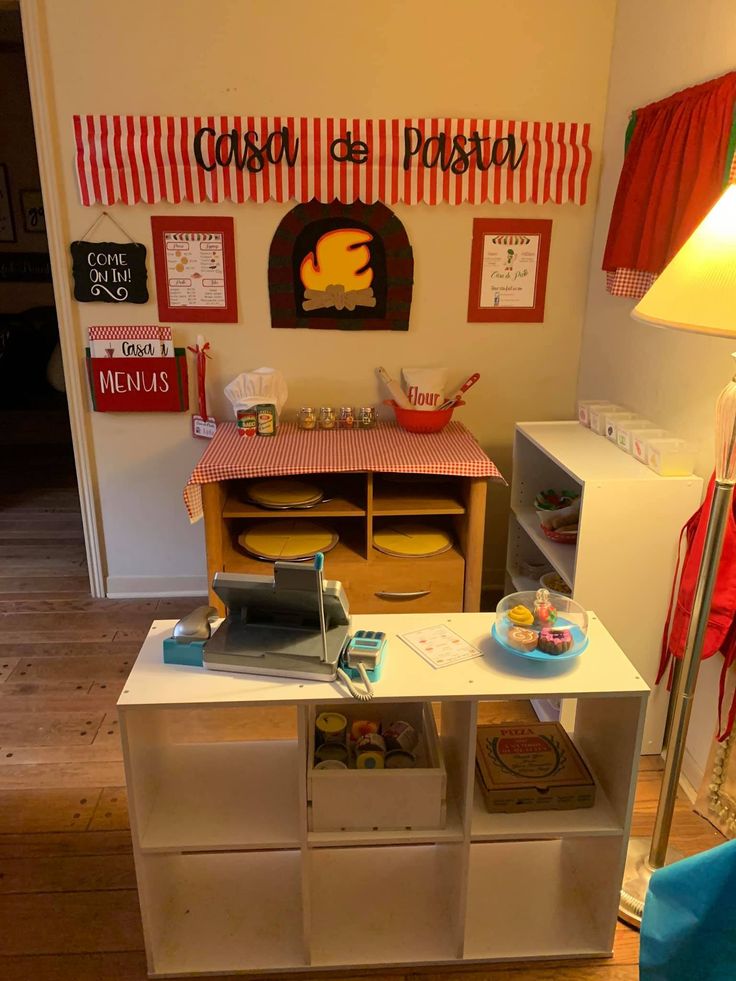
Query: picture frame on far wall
x: 7, y: 226
x: 508, y: 270
x: 194, y: 262
x: 31, y: 203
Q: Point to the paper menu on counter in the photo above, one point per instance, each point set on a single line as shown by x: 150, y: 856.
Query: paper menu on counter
x: 440, y: 646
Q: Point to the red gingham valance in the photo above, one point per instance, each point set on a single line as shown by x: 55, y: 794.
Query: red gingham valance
x: 216, y: 158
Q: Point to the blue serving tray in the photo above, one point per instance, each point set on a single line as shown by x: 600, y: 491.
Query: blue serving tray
x: 580, y: 642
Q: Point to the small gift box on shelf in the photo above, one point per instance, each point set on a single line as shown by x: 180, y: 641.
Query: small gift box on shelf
x: 670, y: 457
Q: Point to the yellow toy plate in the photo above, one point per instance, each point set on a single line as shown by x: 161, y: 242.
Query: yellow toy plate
x: 288, y: 540
x: 411, y: 539
x: 280, y: 493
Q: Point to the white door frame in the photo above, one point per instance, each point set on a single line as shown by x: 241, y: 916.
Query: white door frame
x: 50, y: 167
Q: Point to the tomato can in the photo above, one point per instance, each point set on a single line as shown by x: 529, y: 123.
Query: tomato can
x: 247, y: 422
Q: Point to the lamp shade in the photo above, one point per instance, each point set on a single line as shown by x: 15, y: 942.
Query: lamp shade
x: 696, y: 291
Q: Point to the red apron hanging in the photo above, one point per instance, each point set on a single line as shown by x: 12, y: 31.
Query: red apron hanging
x: 721, y: 630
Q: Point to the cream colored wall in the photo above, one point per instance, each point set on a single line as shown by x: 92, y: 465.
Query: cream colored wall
x: 385, y: 58
x: 673, y: 378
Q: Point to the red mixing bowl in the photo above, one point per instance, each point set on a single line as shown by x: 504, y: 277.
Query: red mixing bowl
x: 418, y: 421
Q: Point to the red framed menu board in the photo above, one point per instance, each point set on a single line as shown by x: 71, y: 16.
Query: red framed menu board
x: 508, y: 270
x: 195, y: 270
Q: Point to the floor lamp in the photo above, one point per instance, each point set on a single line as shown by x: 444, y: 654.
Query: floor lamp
x: 696, y: 292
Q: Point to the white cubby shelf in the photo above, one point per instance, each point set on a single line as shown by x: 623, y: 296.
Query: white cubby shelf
x: 231, y: 879
x: 624, y: 559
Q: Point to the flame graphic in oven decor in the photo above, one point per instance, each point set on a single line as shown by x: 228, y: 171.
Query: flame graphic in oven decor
x: 338, y: 273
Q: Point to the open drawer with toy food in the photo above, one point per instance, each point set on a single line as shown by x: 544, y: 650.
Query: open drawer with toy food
x: 375, y: 767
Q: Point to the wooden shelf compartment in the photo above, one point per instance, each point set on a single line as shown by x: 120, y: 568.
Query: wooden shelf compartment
x: 417, y: 497
x: 345, y: 497
x: 384, y: 905
x: 379, y: 583
x: 207, y: 782
x: 223, y: 912
x: 336, y: 507
x: 350, y: 550
x: 358, y: 499
x: 542, y: 899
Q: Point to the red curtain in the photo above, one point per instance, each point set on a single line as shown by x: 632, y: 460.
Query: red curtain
x: 675, y: 167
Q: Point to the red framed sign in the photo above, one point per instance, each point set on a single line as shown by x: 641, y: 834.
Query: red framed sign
x: 195, y: 270
x: 508, y: 270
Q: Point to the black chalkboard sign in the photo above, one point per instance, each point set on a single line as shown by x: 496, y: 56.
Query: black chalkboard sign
x: 109, y: 272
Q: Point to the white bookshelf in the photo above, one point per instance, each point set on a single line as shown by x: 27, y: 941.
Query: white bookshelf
x: 231, y: 880
x: 544, y: 901
x: 198, y: 805
x: 624, y: 559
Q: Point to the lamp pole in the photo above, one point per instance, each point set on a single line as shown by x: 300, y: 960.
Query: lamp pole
x: 646, y: 855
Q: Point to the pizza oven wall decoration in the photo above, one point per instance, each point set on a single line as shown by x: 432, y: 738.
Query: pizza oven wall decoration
x: 341, y: 266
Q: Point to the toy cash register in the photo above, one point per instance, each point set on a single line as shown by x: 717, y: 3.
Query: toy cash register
x: 293, y: 625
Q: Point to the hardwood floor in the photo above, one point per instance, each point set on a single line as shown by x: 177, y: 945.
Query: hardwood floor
x: 68, y: 901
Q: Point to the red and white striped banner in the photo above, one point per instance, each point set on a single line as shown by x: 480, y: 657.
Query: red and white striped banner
x: 259, y: 158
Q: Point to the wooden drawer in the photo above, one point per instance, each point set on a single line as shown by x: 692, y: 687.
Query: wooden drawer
x: 358, y: 800
x: 391, y: 585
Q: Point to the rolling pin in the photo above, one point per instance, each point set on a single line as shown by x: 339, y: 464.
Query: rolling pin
x: 395, y: 388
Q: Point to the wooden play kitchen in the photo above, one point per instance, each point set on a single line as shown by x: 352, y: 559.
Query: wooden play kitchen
x: 378, y: 487
x: 250, y: 859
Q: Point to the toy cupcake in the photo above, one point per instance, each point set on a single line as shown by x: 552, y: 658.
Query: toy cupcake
x: 520, y: 616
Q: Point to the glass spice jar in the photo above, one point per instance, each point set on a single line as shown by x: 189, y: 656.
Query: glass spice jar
x: 307, y: 418
x: 347, y: 417
x: 327, y: 417
x: 366, y: 417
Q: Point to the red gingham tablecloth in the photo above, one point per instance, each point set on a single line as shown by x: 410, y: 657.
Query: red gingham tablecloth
x: 386, y: 448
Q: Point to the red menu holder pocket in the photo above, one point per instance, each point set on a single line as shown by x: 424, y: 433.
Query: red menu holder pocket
x: 139, y: 384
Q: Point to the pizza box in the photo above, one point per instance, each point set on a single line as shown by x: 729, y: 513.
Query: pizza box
x: 532, y: 767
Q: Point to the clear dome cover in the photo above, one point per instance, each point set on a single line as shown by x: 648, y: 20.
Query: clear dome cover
x: 541, y: 625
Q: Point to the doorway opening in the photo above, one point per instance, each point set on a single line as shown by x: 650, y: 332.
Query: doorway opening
x: 41, y: 536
